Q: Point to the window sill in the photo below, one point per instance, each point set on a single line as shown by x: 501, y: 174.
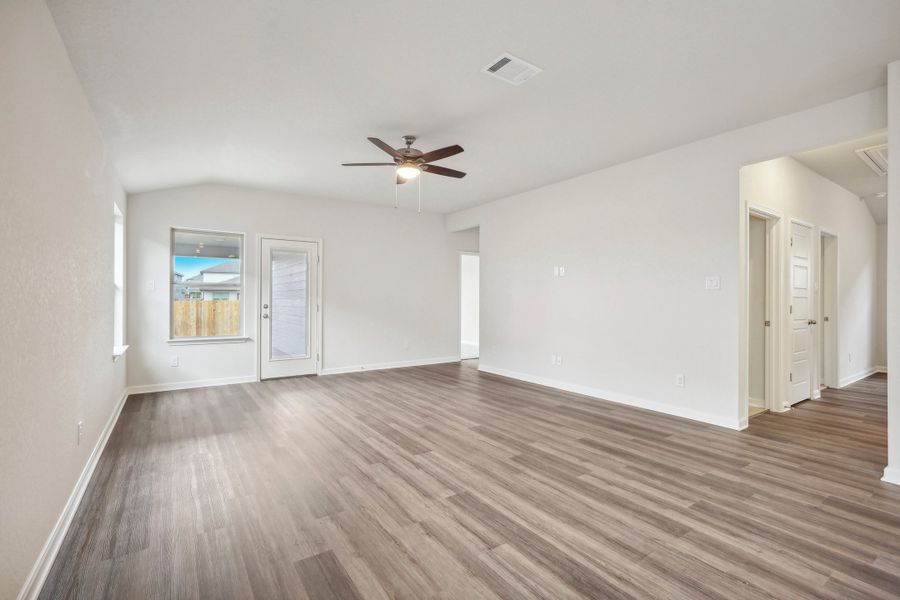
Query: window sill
x: 119, y: 351
x: 207, y: 340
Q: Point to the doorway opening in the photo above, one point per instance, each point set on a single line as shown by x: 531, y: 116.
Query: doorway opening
x: 469, y: 277
x: 289, y: 307
x: 762, y: 287
x: 758, y: 306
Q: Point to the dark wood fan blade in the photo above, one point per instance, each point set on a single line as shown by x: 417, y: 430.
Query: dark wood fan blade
x: 444, y: 171
x: 442, y: 153
x: 384, y: 147
x: 368, y: 165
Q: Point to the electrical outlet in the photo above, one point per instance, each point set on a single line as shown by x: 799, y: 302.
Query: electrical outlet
x: 79, y: 429
x: 559, y: 360
x: 173, y: 361
x: 151, y: 285
x: 713, y: 283
x: 679, y: 380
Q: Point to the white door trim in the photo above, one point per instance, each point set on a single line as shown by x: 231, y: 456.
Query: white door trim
x: 319, y: 296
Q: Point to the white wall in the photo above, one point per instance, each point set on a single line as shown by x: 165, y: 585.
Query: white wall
x: 892, y: 472
x: 638, y: 240
x: 757, y: 307
x: 56, y: 239
x: 468, y: 309
x: 788, y: 187
x: 880, y: 351
x: 390, y: 280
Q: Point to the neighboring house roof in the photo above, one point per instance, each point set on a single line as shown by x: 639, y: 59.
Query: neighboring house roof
x: 225, y: 267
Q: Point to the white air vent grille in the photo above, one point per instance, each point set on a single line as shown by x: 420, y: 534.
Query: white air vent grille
x: 875, y: 157
x: 511, y: 69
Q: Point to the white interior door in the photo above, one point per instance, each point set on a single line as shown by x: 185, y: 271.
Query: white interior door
x: 288, y: 317
x: 801, y: 347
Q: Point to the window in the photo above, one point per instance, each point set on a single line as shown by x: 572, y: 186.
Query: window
x: 206, y: 284
x: 119, y: 346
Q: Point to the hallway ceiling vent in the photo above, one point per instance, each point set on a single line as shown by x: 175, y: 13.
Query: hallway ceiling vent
x: 875, y: 157
x: 510, y: 69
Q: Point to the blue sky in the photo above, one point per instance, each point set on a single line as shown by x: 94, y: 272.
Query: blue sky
x: 192, y: 265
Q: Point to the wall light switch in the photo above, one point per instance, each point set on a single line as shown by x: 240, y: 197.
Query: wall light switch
x: 679, y: 380
x: 713, y: 282
x: 173, y: 361
x: 151, y: 285
x: 562, y: 271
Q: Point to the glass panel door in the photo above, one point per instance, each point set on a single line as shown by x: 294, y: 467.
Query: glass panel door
x: 290, y: 303
x: 289, y: 309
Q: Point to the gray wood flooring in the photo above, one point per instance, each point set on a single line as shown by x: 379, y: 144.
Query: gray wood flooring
x: 442, y: 482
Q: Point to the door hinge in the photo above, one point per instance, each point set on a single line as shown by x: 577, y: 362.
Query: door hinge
x: 792, y: 240
x: 791, y: 309
x: 792, y: 376
x: 767, y: 323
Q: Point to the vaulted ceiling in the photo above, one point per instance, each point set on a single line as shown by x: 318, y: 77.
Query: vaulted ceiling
x: 277, y: 93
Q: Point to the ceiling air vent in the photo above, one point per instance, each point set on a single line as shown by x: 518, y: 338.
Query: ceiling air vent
x: 511, y: 69
x: 875, y: 157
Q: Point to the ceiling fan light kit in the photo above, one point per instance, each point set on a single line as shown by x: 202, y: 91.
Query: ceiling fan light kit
x: 410, y: 162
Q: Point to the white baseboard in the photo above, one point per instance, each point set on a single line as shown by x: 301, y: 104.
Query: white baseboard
x: 186, y: 385
x: 891, y: 475
x: 620, y: 398
x: 419, y: 362
x: 41, y: 568
x: 881, y: 369
x: 756, y: 402
x: 468, y: 350
x: 845, y: 381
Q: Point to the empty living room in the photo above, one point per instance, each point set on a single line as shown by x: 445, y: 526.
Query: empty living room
x: 370, y: 299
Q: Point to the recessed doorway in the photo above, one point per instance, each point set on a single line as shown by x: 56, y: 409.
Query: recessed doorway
x: 469, y: 276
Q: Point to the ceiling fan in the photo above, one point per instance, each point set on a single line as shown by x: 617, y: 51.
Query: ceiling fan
x: 409, y: 162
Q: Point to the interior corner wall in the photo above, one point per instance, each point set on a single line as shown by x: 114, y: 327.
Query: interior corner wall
x: 786, y: 186
x: 56, y: 238
x: 390, y: 281
x: 638, y: 241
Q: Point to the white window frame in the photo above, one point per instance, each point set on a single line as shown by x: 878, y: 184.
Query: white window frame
x: 231, y: 339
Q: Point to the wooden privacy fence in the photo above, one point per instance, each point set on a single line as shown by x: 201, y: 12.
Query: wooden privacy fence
x: 206, y: 318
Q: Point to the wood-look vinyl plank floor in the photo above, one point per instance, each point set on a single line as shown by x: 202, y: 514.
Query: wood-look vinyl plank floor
x: 444, y: 482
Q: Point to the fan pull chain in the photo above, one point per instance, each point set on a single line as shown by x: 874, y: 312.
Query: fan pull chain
x: 420, y: 192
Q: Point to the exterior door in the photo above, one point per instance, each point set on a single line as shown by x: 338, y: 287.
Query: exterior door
x: 288, y: 317
x: 800, y: 314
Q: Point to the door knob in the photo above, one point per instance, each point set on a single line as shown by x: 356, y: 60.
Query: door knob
x: 265, y: 306
x: 811, y: 322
